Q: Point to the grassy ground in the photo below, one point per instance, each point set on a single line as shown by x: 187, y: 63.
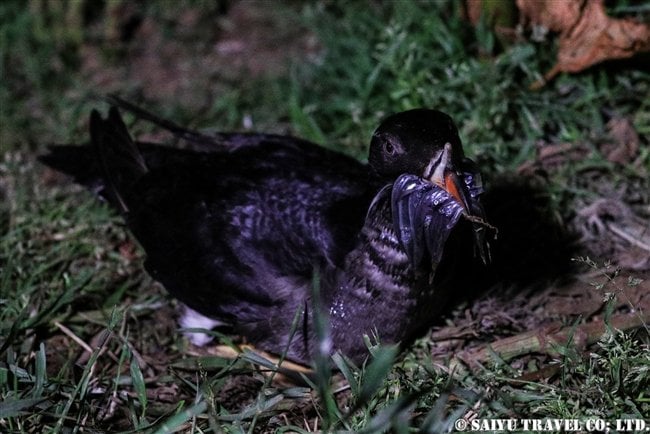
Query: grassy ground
x: 88, y: 340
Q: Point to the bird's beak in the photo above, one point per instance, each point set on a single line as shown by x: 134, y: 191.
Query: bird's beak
x: 440, y: 174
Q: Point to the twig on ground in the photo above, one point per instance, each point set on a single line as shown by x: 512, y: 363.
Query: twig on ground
x: 546, y: 340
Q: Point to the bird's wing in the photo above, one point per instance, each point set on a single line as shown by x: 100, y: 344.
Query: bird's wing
x: 222, y: 227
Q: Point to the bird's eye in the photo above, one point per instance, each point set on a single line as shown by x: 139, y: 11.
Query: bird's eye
x: 389, y: 148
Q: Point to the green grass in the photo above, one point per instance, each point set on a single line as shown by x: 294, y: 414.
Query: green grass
x: 71, y: 277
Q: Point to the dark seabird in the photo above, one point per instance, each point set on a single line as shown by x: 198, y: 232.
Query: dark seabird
x: 236, y: 226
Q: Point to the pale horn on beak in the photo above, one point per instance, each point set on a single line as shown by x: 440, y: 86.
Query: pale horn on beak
x: 440, y: 174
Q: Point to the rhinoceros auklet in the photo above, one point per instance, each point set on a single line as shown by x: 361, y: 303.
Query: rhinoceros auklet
x: 235, y: 225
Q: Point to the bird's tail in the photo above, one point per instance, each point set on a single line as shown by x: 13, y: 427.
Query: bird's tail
x: 76, y: 161
x: 110, y: 166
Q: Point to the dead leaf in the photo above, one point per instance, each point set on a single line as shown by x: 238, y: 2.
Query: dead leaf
x: 551, y: 156
x: 625, y: 142
x: 556, y: 16
x: 587, y: 35
x: 609, y: 228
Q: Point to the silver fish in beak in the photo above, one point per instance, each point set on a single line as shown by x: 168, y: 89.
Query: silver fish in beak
x: 426, y: 209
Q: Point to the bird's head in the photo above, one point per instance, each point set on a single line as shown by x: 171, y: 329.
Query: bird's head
x: 424, y: 143
x: 420, y: 151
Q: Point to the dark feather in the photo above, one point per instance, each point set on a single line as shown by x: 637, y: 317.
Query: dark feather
x: 234, y: 226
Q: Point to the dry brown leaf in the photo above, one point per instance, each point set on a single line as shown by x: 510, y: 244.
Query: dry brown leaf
x: 587, y: 35
x: 556, y: 16
x: 609, y: 228
x: 551, y: 156
x: 625, y: 141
